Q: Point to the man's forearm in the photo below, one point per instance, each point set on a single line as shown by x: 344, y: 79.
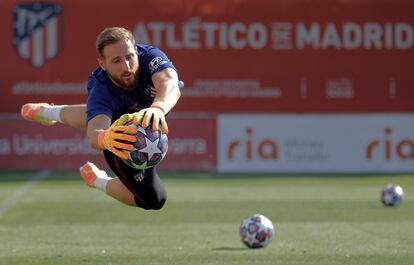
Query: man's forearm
x: 168, y: 91
x: 167, y: 97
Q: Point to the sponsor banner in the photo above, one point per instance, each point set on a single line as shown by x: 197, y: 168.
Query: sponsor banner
x: 316, y: 143
x: 29, y: 146
x: 191, y: 145
x: 338, y: 56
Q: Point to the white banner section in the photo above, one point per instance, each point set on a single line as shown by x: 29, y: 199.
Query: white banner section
x: 374, y: 143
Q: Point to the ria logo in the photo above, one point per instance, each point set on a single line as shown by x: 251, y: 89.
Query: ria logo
x: 35, y: 31
x: 387, y: 147
x: 265, y: 149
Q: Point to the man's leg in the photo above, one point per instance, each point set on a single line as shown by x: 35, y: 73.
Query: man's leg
x: 145, y: 185
x: 96, y: 178
x: 74, y: 116
x: 46, y: 114
x: 143, y: 189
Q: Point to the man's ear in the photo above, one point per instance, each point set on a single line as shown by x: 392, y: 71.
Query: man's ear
x: 101, y: 63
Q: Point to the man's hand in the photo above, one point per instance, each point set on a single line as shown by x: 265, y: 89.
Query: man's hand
x: 124, y: 119
x: 153, y: 114
x: 114, y: 138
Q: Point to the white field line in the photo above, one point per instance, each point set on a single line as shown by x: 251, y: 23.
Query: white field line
x: 17, y: 194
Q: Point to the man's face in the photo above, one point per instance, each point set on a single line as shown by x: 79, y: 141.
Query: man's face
x: 120, y: 61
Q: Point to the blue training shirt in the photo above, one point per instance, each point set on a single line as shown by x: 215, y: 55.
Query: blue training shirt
x: 104, y: 97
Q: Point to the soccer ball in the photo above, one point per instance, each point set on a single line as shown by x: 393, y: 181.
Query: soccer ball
x: 391, y: 195
x: 149, y: 149
x: 256, y: 231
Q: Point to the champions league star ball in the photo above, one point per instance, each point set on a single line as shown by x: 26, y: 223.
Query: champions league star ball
x: 256, y: 231
x: 392, y: 195
x: 149, y: 149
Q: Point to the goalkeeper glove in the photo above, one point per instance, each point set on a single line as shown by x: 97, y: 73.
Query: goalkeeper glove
x: 124, y: 119
x: 154, y: 115
x: 118, y: 138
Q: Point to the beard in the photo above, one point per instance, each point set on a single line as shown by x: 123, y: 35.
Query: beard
x: 127, y: 80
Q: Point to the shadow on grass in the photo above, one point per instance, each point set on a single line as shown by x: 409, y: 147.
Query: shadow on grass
x: 231, y: 249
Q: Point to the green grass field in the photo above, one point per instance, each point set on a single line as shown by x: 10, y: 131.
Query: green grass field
x: 318, y: 220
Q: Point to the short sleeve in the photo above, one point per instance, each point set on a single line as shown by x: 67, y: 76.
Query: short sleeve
x: 97, y: 102
x: 156, y: 60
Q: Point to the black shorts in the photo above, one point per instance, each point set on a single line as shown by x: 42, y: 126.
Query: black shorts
x: 146, y: 185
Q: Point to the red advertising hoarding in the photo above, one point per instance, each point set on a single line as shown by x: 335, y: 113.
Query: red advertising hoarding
x: 31, y: 146
x: 234, y: 56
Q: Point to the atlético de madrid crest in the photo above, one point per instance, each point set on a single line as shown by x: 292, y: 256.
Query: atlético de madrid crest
x: 37, y: 34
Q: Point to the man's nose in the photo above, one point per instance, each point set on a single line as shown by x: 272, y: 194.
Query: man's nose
x: 126, y: 65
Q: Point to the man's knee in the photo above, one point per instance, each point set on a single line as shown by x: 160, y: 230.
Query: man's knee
x: 155, y: 204
x: 159, y: 204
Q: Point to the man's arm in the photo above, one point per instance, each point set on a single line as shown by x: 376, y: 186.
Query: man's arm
x: 117, y: 138
x: 168, y: 92
x: 167, y: 95
x: 95, y: 126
